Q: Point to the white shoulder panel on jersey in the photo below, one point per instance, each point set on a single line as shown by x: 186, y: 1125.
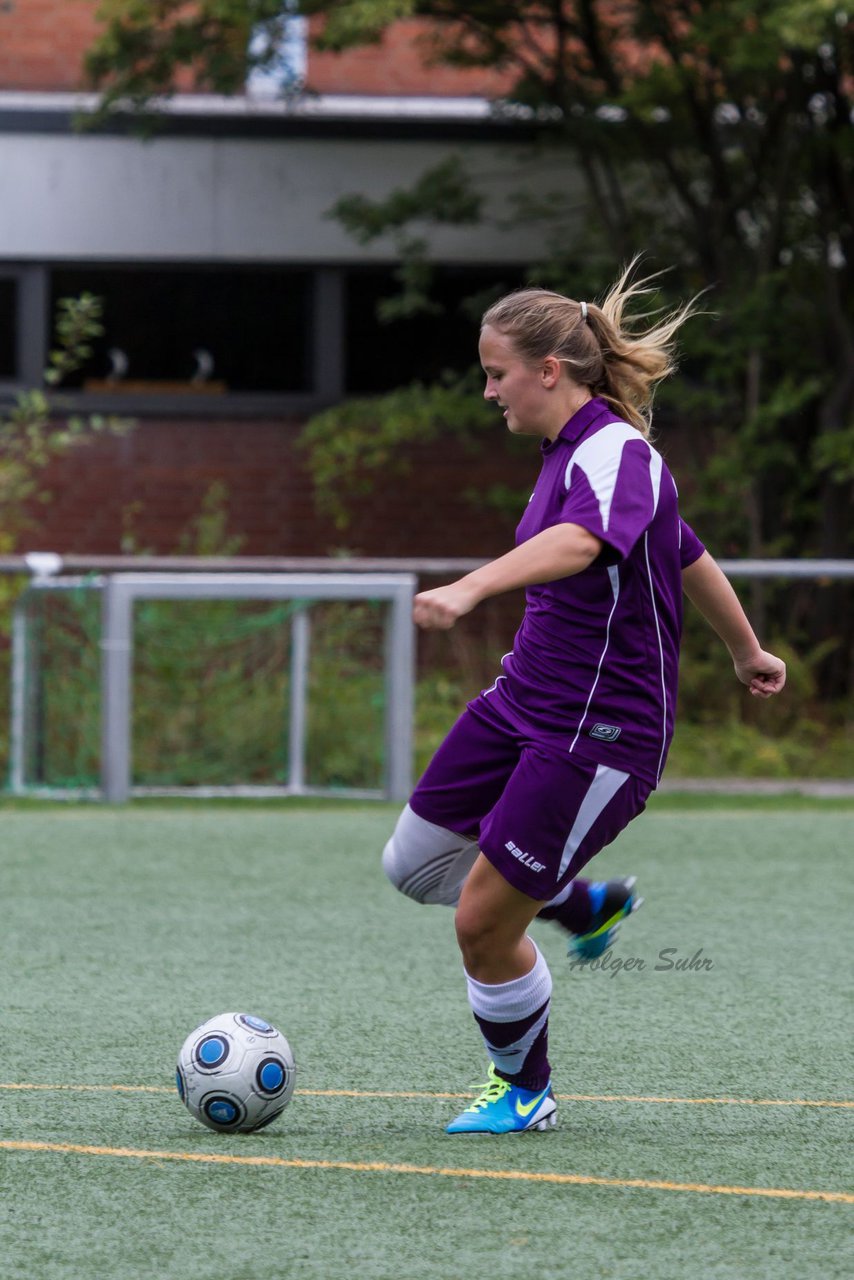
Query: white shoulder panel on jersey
x: 599, y: 458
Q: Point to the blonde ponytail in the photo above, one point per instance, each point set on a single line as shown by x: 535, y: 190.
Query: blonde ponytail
x: 603, y: 349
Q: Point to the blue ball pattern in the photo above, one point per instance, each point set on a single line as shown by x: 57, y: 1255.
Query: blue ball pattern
x: 256, y: 1024
x: 235, y: 1073
x: 270, y: 1076
x: 211, y: 1052
x: 221, y: 1111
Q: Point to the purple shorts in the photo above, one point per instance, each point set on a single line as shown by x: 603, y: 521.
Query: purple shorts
x: 538, y: 815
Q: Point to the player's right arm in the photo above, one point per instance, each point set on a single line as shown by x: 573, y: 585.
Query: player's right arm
x: 709, y: 590
x: 556, y: 552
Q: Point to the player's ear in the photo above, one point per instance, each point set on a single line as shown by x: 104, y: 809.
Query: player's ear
x: 550, y: 372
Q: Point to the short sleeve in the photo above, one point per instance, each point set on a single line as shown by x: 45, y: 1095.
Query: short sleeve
x: 613, y: 484
x: 690, y: 546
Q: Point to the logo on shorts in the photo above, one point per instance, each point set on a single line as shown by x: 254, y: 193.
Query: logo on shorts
x: 604, y: 732
x: 525, y: 858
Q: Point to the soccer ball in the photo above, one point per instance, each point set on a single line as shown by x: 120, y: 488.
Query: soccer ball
x: 236, y: 1073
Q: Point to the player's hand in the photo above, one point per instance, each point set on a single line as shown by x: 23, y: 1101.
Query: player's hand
x: 438, y: 610
x: 764, y: 674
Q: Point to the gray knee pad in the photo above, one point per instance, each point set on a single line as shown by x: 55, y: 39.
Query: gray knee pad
x: 426, y: 862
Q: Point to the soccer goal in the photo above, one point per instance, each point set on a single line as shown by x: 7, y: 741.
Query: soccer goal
x: 213, y: 684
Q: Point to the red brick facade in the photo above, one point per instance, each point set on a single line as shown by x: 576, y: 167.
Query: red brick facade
x: 149, y: 487
x: 400, y: 64
x: 43, y: 43
x: 144, y: 491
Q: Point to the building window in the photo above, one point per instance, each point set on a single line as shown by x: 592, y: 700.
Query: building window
x: 8, y: 329
x: 208, y: 339
x: 381, y: 356
x: 175, y: 331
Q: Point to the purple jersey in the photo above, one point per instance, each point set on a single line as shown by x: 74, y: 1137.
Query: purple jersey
x: 594, y: 664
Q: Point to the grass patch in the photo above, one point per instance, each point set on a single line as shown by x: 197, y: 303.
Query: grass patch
x: 125, y: 928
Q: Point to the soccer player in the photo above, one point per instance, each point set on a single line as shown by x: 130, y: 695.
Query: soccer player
x: 546, y: 767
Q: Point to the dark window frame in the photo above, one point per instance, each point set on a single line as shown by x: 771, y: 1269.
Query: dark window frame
x: 325, y: 353
x: 327, y: 356
x: 31, y: 328
x: 9, y: 354
x: 454, y: 280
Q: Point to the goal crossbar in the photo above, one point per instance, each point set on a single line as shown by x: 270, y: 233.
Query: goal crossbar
x: 121, y: 591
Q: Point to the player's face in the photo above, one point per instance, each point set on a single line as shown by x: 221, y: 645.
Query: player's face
x: 514, y: 385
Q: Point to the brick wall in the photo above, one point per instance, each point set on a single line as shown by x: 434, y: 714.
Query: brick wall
x: 42, y: 42
x: 151, y: 483
x: 399, y: 64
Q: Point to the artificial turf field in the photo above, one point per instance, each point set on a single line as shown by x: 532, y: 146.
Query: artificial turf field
x: 705, y: 1122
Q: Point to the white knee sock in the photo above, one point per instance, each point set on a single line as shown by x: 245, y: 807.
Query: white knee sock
x: 513, y: 1019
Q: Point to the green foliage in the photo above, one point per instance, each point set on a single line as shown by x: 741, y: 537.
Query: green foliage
x: 710, y: 695
x: 32, y: 431
x: 352, y: 447
x: 345, y: 746
x: 717, y: 138
x: 211, y: 692
x: 207, y: 533
x: 737, y: 750
x: 834, y: 454
x: 439, y: 698
x: 222, y: 669
x: 356, y: 22
x: 504, y: 499
x: 143, y: 47
x: 443, y: 195
x: 714, y: 137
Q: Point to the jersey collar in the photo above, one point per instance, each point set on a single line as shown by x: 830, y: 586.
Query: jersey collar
x: 581, y: 421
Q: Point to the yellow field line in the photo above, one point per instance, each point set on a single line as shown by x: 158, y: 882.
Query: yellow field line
x: 730, y: 1102
x: 88, y: 1088
x: 381, y: 1166
x: 598, y: 1097
x: 400, y: 1093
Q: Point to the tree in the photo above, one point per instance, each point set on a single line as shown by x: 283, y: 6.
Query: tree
x: 34, y: 430
x: 713, y: 133
x: 716, y: 136
x: 145, y: 48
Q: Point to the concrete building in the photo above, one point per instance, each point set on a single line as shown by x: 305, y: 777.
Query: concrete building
x: 234, y: 304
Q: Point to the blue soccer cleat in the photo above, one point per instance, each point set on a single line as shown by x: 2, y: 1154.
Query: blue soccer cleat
x: 504, y: 1108
x: 613, y: 900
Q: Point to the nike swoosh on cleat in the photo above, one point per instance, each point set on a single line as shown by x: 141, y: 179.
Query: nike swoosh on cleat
x: 524, y: 1109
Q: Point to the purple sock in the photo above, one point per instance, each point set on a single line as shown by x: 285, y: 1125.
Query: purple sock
x: 574, y: 911
x: 514, y: 1020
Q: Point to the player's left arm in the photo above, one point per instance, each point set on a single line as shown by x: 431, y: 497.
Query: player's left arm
x: 556, y: 552
x: 709, y: 590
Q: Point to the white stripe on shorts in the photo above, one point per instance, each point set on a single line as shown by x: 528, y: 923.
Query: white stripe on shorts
x: 603, y: 788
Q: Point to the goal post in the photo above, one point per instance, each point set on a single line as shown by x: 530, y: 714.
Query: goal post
x: 121, y: 592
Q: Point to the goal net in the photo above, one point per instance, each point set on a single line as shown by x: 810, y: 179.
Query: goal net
x: 214, y: 684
